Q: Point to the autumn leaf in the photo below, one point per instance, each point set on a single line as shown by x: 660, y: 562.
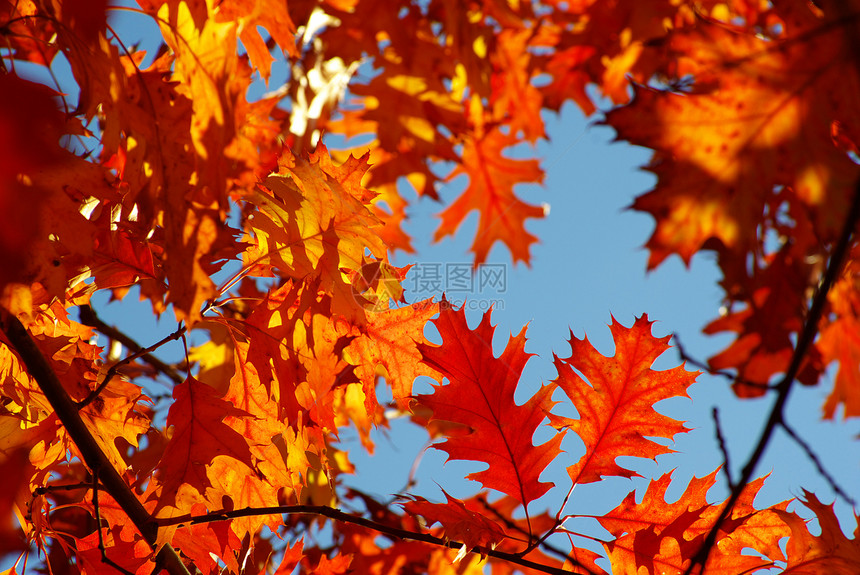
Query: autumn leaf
x: 764, y: 327
x: 123, y: 548
x: 758, y: 116
x: 458, y: 523
x: 269, y: 14
x: 605, y: 47
x: 312, y: 222
x: 839, y: 342
x: 390, y: 340
x: 480, y: 397
x: 116, y: 414
x: 199, y: 436
x: 830, y: 552
x: 492, y: 177
x: 662, y: 537
x: 209, y: 544
x: 615, y: 398
x: 514, y: 97
x: 278, y: 451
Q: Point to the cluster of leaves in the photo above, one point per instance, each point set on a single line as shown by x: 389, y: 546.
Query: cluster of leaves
x: 164, y: 169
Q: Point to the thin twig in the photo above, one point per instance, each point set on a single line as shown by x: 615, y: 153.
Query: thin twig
x: 44, y: 490
x: 723, y: 449
x: 89, y: 318
x: 718, y: 372
x: 338, y: 515
x: 111, y: 373
x: 818, y: 465
x: 105, y: 559
x: 804, y: 341
x: 544, y: 544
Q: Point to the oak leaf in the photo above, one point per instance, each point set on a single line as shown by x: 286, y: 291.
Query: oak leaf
x: 515, y: 100
x: 492, y: 178
x: 390, y: 340
x: 312, y: 221
x: 830, y: 552
x: 615, y: 398
x: 459, y: 524
x: 480, y: 398
x: 127, y: 549
x: 209, y: 544
x: 839, y: 342
x: 269, y: 14
x: 277, y: 450
x: 663, y: 537
x: 759, y: 116
x: 199, y: 436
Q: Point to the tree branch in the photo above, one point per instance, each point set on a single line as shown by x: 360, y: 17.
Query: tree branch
x: 111, y: 373
x: 338, y: 515
x: 804, y: 341
x: 723, y: 448
x: 818, y: 465
x: 91, y: 452
x: 89, y: 318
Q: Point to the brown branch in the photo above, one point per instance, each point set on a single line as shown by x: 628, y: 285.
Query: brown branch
x: 92, y: 454
x: 723, y: 448
x: 534, y: 541
x: 89, y: 318
x: 338, y: 515
x: 818, y: 465
x: 719, y: 372
x: 111, y: 373
x: 804, y: 341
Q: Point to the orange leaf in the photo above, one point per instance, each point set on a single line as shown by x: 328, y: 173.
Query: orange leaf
x: 271, y: 15
x: 760, y: 115
x: 459, y: 523
x: 492, y: 178
x: 514, y: 98
x: 480, y: 398
x: 316, y: 224
x: 840, y: 341
x: 663, y: 537
x: 123, y: 546
x: 389, y: 340
x: 199, y: 436
x: 831, y: 552
x: 206, y: 543
x: 616, y: 397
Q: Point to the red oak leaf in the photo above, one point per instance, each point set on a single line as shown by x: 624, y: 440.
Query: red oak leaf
x: 663, y: 537
x: 616, y: 398
x: 831, y: 552
x: 480, y: 397
x: 492, y: 178
x: 199, y: 436
x: 458, y: 522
